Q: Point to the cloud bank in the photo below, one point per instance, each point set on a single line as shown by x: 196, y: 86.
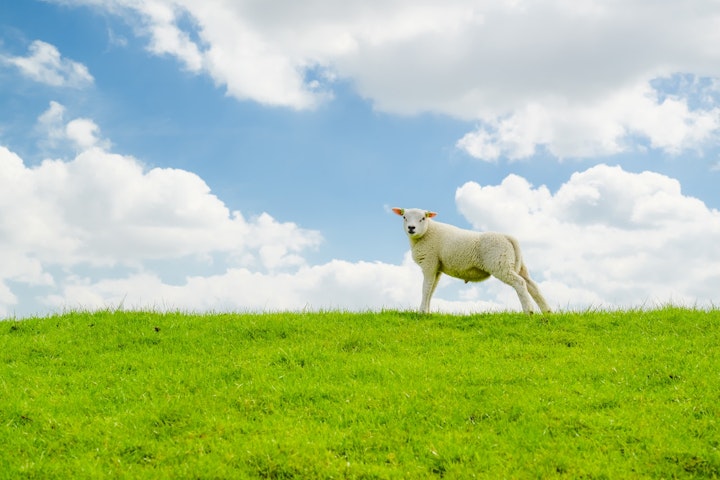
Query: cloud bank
x: 607, y: 236
x: 574, y: 79
x: 103, y: 230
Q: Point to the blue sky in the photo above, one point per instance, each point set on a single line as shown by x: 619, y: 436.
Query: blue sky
x: 244, y: 155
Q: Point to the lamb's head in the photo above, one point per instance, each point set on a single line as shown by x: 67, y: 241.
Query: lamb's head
x: 415, y: 221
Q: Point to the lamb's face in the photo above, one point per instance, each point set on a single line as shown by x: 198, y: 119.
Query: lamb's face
x: 415, y: 220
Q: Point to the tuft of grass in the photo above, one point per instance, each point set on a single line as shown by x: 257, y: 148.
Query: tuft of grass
x: 361, y: 395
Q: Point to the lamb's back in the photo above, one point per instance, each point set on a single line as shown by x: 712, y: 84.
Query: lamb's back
x: 470, y: 255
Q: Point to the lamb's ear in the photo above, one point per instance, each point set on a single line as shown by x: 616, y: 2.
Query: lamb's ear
x: 430, y: 214
x: 399, y: 211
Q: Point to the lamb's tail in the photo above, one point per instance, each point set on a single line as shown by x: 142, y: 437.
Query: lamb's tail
x: 519, y: 263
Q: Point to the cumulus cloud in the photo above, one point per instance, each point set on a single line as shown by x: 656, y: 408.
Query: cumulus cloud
x: 79, y: 133
x: 102, y: 230
x: 105, y: 210
x: 607, y: 237
x: 604, y: 127
x: 334, y: 285
x: 45, y: 64
x: 102, y: 208
x: 578, y: 79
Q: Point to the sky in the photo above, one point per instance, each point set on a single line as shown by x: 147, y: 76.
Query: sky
x: 244, y: 155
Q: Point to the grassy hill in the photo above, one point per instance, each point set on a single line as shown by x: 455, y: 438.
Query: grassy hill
x: 368, y: 395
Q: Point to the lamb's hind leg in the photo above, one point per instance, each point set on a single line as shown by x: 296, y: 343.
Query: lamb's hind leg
x: 520, y: 285
x: 534, y: 291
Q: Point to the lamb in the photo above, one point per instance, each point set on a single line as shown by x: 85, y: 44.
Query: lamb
x: 471, y: 256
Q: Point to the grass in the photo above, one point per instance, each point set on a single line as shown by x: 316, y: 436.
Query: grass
x: 369, y: 395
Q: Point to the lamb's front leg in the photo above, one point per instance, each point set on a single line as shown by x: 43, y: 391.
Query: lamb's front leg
x: 430, y: 281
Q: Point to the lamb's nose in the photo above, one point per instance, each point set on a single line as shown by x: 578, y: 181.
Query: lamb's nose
x: 411, y: 229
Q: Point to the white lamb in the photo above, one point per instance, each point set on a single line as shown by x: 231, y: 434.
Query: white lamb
x: 471, y: 256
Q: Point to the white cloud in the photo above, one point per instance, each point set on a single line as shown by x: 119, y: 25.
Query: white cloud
x: 44, y: 64
x: 83, y: 132
x: 575, y: 78
x: 51, y: 126
x: 606, y: 237
x: 105, y: 210
x: 603, y: 128
x: 101, y: 230
x: 337, y: 284
x: 166, y: 36
x: 80, y: 133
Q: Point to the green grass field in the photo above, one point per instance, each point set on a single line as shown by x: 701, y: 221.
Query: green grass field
x: 369, y: 395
